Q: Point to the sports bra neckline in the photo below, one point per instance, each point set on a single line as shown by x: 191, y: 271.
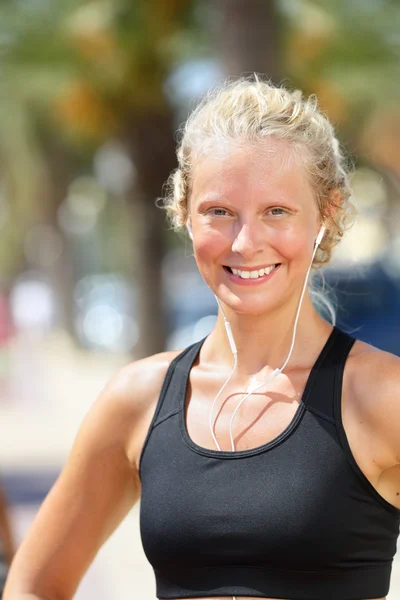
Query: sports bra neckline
x: 263, y: 447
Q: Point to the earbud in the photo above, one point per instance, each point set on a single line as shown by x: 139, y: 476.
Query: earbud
x: 320, y: 235
x: 189, y: 229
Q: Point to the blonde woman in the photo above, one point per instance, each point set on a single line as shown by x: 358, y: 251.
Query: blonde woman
x: 266, y: 456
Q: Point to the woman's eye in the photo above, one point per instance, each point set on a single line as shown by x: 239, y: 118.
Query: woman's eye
x: 282, y: 210
x: 218, y: 212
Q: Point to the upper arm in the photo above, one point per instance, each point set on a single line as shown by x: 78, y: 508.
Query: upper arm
x: 388, y: 377
x: 95, y: 490
x: 377, y: 389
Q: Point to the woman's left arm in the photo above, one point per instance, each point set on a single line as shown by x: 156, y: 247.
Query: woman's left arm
x: 377, y: 389
x: 388, y: 381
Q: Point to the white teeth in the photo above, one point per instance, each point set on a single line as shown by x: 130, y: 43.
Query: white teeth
x: 253, y: 274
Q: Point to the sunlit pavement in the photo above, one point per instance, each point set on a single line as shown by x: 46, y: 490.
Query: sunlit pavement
x: 52, y: 387
x: 120, y: 570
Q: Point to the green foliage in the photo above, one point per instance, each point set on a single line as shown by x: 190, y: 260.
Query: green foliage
x: 357, y: 48
x: 81, y: 69
x: 86, y: 68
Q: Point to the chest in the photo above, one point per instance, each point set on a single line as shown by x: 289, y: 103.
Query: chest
x: 267, y: 415
x: 252, y: 420
x: 278, y: 505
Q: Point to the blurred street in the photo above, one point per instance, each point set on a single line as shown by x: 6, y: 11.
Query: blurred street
x: 51, y: 388
x: 49, y: 394
x: 92, y: 272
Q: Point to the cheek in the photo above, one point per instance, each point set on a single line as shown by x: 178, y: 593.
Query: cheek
x: 208, y: 248
x: 294, y: 244
x: 296, y: 247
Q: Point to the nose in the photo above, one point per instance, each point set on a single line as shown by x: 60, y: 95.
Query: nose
x: 249, y: 240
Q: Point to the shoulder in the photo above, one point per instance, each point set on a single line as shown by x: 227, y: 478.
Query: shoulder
x: 375, y: 375
x: 134, y: 386
x: 375, y: 389
x: 116, y: 417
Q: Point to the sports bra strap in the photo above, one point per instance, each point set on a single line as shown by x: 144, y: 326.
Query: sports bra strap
x: 328, y: 370
x: 175, y: 383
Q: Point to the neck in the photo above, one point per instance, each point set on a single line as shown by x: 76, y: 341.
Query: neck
x: 264, y: 342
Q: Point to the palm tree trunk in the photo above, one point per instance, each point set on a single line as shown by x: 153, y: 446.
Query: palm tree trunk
x: 150, y: 143
x: 248, y: 37
x: 59, y: 163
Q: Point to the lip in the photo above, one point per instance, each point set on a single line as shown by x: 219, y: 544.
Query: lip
x: 259, y: 281
x: 256, y: 268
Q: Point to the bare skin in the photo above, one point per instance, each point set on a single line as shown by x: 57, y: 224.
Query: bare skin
x: 6, y: 538
x: 100, y: 482
x: 63, y: 549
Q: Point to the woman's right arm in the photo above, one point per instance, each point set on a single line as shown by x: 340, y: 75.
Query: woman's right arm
x: 6, y: 537
x: 96, y: 489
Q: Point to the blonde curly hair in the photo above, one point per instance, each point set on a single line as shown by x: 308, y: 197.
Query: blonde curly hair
x: 248, y: 110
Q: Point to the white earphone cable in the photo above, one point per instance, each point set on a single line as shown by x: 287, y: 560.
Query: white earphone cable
x: 234, y: 352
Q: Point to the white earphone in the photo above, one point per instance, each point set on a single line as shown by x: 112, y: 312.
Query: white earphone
x: 320, y: 235
x: 189, y: 230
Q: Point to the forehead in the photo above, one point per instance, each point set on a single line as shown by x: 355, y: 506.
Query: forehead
x: 266, y: 168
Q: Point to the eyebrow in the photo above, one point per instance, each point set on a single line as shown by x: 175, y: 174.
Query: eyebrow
x: 205, y: 203
x: 211, y: 197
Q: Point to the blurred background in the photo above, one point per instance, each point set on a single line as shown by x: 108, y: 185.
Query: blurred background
x: 91, y: 277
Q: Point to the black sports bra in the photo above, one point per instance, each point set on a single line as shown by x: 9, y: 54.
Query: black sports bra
x: 294, y: 518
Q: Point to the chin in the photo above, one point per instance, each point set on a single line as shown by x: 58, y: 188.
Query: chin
x: 254, y: 304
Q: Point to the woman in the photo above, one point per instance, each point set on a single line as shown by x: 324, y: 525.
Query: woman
x: 295, y: 494
x: 6, y: 541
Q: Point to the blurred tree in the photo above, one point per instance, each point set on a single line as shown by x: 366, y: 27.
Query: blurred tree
x: 248, y: 37
x: 75, y: 73
x: 348, y: 54
x: 83, y: 72
x: 348, y: 51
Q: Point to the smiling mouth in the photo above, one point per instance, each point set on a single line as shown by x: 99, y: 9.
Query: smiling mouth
x: 256, y: 274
